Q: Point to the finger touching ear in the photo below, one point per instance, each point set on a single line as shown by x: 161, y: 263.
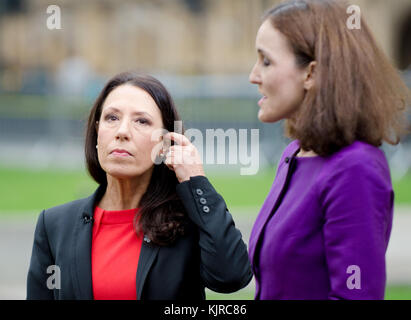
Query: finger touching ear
x: 177, y: 138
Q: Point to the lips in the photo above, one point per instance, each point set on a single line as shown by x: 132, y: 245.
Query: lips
x: 262, y: 100
x: 120, y: 152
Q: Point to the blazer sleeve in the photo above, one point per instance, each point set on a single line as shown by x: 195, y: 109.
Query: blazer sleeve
x: 225, y: 266
x: 358, y: 205
x: 41, y: 259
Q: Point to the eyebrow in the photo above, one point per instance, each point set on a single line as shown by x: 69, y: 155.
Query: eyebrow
x: 266, y: 54
x: 261, y: 51
x: 139, y: 113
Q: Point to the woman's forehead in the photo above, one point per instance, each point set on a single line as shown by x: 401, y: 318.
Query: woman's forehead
x: 130, y: 99
x: 269, y: 38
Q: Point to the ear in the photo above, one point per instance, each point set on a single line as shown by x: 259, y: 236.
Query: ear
x: 96, y: 126
x: 309, y: 80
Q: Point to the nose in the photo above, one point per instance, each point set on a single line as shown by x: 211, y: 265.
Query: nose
x: 254, y: 77
x: 123, y: 132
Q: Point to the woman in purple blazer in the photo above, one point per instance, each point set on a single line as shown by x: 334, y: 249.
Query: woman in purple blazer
x: 324, y: 228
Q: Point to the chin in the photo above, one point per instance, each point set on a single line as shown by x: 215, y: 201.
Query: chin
x: 121, y: 174
x: 120, y: 171
x: 263, y: 117
x: 129, y: 172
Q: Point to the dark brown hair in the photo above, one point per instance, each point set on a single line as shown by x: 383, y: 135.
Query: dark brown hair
x: 161, y: 215
x: 358, y: 94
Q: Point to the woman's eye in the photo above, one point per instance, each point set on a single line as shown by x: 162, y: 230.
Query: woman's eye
x: 143, y: 121
x: 111, y: 117
x: 266, y: 62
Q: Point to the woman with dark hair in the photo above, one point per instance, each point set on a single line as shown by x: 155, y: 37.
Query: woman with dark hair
x: 147, y: 232
x: 323, y: 231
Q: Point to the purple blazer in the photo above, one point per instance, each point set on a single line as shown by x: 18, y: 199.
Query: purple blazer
x: 324, y: 228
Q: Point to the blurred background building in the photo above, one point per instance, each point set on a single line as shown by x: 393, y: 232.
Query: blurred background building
x: 202, y: 50
x: 184, y: 37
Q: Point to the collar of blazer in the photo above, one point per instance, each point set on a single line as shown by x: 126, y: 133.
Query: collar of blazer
x: 83, y: 231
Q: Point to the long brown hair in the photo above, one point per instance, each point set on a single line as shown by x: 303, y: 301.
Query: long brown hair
x: 161, y: 214
x: 358, y: 94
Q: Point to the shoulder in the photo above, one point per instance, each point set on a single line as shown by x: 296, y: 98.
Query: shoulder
x: 358, y: 150
x: 358, y: 155
x: 65, y: 214
x: 356, y: 162
x: 66, y: 207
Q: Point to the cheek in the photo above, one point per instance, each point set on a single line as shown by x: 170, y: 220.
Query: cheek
x: 144, y: 145
x: 285, y: 95
x: 103, y: 139
x: 278, y: 83
x: 290, y: 87
x: 103, y: 136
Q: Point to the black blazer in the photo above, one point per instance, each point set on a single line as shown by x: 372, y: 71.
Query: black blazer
x: 211, y: 254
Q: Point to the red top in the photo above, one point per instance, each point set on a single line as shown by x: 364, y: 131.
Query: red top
x: 115, y: 252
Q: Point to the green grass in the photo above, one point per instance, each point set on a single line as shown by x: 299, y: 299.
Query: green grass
x: 244, y: 294
x: 398, y: 293
x: 28, y: 190
x: 33, y: 190
x: 23, y: 190
x: 391, y: 293
x: 402, y: 190
x: 243, y: 191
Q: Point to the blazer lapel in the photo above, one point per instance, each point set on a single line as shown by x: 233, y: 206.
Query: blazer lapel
x: 82, y: 272
x: 82, y: 247
x: 270, y: 202
x: 148, y: 255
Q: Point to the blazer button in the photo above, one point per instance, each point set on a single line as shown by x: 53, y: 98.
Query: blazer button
x: 203, y: 201
x: 287, y: 160
x: 206, y: 209
x: 199, y: 192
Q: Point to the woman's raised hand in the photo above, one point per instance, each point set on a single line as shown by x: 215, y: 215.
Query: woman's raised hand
x: 182, y: 157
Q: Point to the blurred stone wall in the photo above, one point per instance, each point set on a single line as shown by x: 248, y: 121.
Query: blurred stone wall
x: 172, y: 36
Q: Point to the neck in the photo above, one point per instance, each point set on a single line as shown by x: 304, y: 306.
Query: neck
x: 124, y: 194
x: 304, y: 153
